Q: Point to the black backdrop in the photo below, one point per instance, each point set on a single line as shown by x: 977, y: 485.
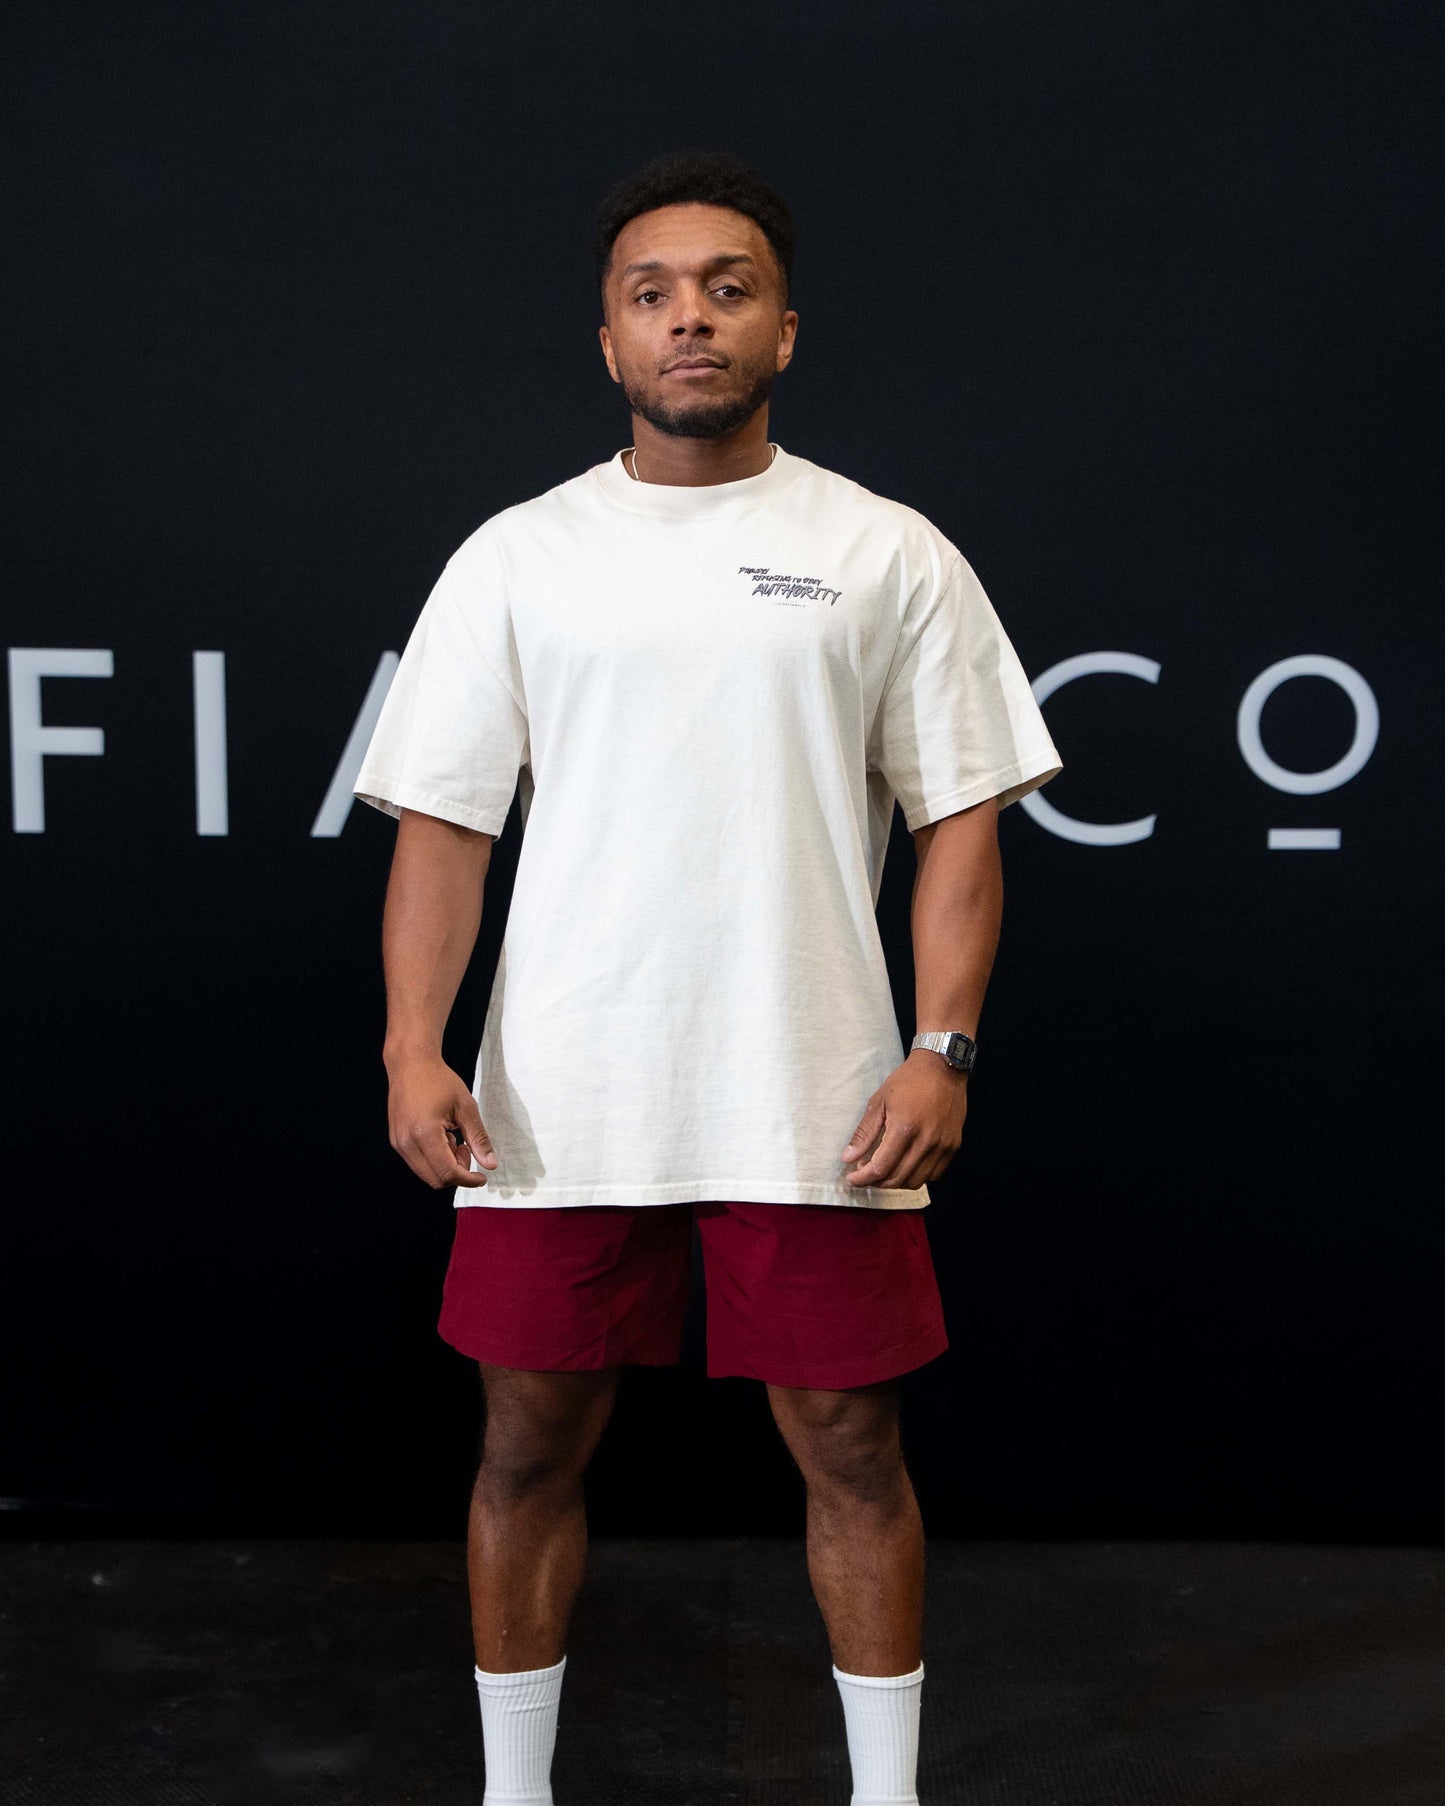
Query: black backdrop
x: 1130, y: 301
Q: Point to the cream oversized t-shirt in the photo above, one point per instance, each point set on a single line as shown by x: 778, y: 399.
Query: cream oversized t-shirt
x: 708, y: 700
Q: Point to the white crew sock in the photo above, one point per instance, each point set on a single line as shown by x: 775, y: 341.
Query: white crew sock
x: 881, y: 1713
x: 519, y: 1731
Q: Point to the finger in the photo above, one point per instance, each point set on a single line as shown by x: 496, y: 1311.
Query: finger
x: 424, y: 1163
x: 431, y: 1155
x: 923, y: 1166
x: 941, y: 1164
x: 913, y: 1165
x: 459, y: 1148
x: 886, y: 1159
x: 873, y: 1132
x: 473, y: 1132
x: 865, y: 1135
x: 943, y: 1155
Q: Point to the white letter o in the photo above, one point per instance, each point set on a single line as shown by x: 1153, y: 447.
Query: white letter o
x: 1308, y: 783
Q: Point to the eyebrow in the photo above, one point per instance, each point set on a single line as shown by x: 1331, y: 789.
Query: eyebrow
x: 712, y: 263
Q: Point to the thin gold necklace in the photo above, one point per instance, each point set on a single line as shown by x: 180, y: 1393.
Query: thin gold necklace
x: 772, y: 453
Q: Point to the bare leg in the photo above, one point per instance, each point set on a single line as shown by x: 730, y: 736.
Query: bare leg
x: 527, y: 1527
x: 865, y: 1533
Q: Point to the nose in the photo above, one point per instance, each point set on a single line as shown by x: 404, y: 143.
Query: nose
x: 690, y: 312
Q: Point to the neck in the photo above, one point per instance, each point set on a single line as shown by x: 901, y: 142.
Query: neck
x: 693, y: 463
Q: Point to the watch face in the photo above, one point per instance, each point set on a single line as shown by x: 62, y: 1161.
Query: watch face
x: 959, y: 1051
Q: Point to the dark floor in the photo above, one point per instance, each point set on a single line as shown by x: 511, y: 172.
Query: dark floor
x: 1112, y: 1674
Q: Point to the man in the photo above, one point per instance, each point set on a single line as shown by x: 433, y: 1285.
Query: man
x: 709, y: 668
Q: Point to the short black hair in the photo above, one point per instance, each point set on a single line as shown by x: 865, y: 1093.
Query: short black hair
x: 715, y: 177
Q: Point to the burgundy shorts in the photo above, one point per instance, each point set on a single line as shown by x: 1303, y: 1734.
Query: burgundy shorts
x: 817, y: 1295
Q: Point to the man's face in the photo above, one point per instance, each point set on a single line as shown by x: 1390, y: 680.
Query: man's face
x: 689, y: 283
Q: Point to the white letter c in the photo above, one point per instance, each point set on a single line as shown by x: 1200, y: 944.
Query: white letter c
x: 1087, y: 833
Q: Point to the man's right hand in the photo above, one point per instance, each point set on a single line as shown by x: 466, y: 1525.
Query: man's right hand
x: 426, y: 1100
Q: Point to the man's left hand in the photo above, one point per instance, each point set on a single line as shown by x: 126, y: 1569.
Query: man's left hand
x: 912, y: 1126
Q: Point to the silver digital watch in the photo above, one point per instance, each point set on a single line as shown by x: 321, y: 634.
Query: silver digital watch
x: 959, y: 1049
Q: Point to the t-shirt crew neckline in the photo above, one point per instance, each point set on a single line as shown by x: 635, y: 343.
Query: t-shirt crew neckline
x: 694, y: 500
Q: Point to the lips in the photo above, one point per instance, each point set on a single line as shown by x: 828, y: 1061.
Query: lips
x: 694, y: 363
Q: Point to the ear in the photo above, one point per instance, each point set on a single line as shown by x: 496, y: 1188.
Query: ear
x: 787, y: 332
x: 606, y: 337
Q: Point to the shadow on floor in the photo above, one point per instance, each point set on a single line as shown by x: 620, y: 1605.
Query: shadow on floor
x: 1083, y: 1674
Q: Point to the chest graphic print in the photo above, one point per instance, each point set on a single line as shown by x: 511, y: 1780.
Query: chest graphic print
x: 786, y: 588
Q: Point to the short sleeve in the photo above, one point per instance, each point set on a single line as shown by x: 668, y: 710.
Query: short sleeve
x: 452, y: 734
x: 957, y: 722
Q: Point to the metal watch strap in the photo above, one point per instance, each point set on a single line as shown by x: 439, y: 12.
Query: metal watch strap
x: 959, y: 1049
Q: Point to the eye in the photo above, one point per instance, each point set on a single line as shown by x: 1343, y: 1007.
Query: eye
x: 735, y: 287
x: 645, y: 293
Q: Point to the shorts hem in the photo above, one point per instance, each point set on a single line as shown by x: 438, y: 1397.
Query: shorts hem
x: 840, y: 1375
x: 592, y: 1361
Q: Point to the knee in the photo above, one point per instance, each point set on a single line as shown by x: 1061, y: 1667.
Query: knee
x: 864, y: 1470
x: 511, y: 1474
x: 524, y: 1458
x: 539, y: 1443
x: 845, y: 1448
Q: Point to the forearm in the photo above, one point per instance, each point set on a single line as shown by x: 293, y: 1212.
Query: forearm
x: 429, y: 928
x: 957, y: 912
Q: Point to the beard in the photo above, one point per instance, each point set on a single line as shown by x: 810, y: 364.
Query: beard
x: 701, y: 419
